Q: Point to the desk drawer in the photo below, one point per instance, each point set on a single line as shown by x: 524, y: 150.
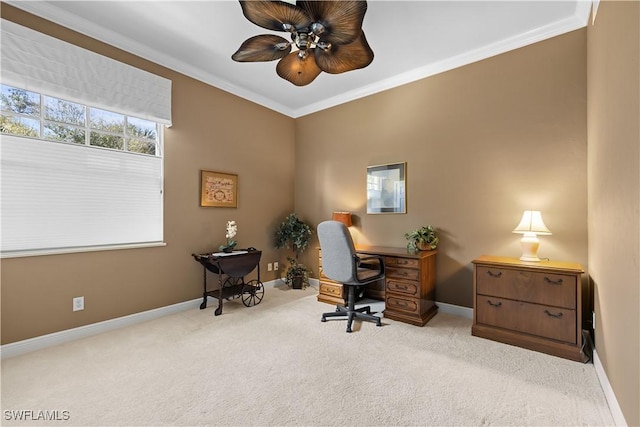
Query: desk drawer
x: 403, y: 287
x: 401, y: 262
x: 544, y: 321
x: 397, y: 303
x: 333, y: 289
x: 402, y: 273
x: 525, y: 285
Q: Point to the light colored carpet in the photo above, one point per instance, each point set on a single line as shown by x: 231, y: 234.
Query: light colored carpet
x: 277, y: 364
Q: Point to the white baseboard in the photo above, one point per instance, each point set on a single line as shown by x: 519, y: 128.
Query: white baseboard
x: 56, y: 338
x: 37, y: 343
x: 456, y: 310
x: 614, y: 407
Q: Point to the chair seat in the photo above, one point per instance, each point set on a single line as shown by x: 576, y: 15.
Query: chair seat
x: 365, y: 274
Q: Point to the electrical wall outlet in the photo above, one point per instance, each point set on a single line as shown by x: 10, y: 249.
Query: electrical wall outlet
x: 269, y: 267
x: 275, y: 266
x: 78, y: 303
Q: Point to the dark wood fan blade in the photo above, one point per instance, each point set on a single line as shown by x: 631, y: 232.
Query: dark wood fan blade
x: 299, y: 71
x: 272, y: 15
x: 341, y: 58
x: 267, y: 47
x: 342, y: 19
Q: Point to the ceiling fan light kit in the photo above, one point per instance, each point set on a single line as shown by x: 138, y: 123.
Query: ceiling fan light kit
x: 327, y: 36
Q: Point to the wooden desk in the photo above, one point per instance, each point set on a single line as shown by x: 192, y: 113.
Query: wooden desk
x: 408, y: 289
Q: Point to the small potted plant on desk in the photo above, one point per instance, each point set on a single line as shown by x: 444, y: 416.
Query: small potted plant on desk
x: 295, y: 234
x: 422, y: 239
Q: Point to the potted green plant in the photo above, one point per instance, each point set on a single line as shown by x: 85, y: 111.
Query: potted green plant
x: 297, y: 275
x: 295, y: 234
x: 422, y: 239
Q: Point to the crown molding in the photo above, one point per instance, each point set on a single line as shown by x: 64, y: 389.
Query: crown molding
x: 575, y: 22
x: 45, y: 10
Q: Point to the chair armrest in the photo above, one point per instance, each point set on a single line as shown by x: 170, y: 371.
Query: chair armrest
x: 364, y: 263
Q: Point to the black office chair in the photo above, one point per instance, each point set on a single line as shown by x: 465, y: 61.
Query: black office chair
x: 341, y: 264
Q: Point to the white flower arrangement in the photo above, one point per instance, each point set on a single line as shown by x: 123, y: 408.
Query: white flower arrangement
x: 232, y: 230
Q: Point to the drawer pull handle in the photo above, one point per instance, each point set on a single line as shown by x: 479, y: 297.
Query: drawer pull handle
x: 553, y: 282
x: 498, y: 274
x: 402, y: 287
x: 494, y: 304
x: 557, y: 316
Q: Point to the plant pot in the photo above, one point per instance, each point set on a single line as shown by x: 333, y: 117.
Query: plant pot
x: 297, y: 282
x: 423, y: 246
x: 227, y: 250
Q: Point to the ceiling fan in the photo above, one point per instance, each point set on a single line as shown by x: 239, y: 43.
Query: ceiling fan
x: 327, y: 34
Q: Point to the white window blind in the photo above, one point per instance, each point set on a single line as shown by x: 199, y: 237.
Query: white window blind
x: 40, y: 63
x: 57, y: 196
x: 62, y: 197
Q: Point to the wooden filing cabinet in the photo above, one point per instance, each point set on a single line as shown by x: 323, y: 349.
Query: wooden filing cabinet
x: 408, y: 289
x: 535, y: 305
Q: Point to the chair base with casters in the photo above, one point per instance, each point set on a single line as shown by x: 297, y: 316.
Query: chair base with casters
x: 363, y: 313
x: 342, y: 264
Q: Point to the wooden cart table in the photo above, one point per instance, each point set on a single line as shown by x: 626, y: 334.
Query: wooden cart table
x: 231, y: 268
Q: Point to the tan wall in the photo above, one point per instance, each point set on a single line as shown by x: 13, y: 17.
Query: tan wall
x: 614, y: 196
x: 211, y: 130
x: 482, y: 143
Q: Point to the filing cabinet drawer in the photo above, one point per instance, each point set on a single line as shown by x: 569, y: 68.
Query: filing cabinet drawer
x: 544, y: 321
x: 526, y: 285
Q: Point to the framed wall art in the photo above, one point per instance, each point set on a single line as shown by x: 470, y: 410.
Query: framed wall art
x: 218, y: 189
x: 386, y: 188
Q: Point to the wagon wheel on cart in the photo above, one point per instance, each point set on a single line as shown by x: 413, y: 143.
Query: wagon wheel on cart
x: 252, y: 293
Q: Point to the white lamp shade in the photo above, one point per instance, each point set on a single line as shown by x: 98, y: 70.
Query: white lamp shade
x: 530, y: 226
x: 531, y: 222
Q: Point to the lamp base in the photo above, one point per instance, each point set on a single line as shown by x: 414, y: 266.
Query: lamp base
x: 529, y: 244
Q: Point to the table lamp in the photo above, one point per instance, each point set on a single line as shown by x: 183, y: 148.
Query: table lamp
x: 530, y: 226
x: 343, y: 217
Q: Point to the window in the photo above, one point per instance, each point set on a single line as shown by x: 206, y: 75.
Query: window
x: 24, y: 113
x: 81, y: 164
x: 60, y: 176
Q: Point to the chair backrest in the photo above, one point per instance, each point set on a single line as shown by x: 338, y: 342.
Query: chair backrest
x: 338, y: 252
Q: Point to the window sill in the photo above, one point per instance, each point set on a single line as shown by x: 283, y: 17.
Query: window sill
x: 59, y: 251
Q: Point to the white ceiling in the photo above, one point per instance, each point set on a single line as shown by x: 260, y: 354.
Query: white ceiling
x: 410, y: 39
